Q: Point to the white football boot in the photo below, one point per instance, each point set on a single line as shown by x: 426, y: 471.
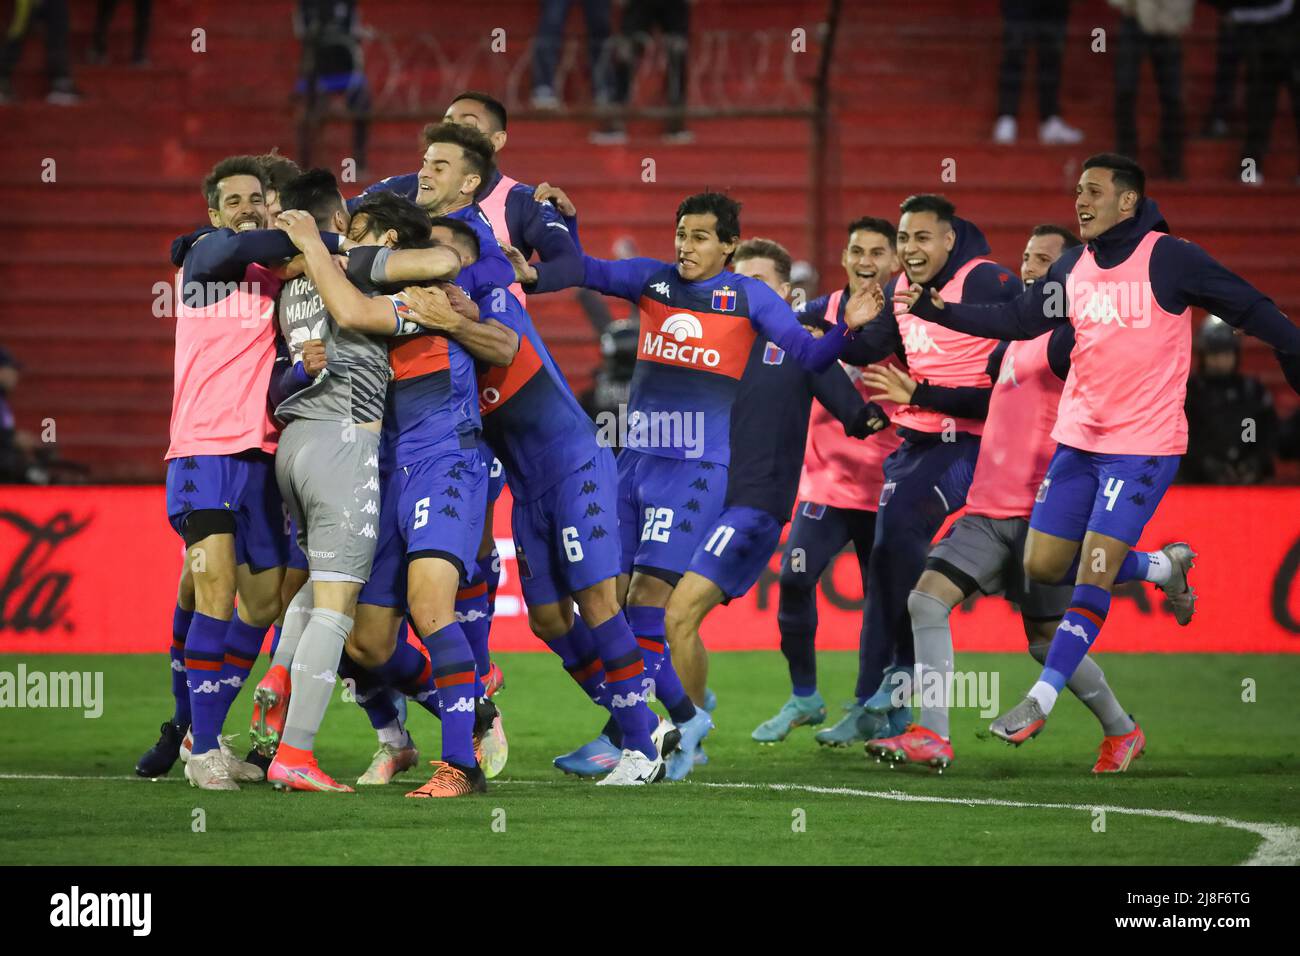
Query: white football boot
x: 209, y: 771
x: 634, y: 769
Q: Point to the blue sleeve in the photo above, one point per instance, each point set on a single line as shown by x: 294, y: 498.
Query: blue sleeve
x: 407, y: 184
x: 815, y: 310
x: 1183, y: 274
x: 774, y: 318
x: 544, y: 230
x: 224, y: 255
x: 989, y: 282
x: 1016, y: 315
x: 572, y: 223
x: 837, y: 395
x: 624, y: 278
x: 1059, y: 349
x: 960, y: 401
x: 879, y: 338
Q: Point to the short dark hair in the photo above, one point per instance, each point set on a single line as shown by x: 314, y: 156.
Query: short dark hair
x: 488, y: 102
x: 461, y: 230
x: 1069, y: 239
x: 230, y: 166
x: 1126, y: 172
x: 278, y: 171
x: 473, y: 143
x: 758, y: 248
x: 941, y: 206
x: 387, y: 210
x: 725, y: 209
x: 316, y: 191
x: 876, y: 224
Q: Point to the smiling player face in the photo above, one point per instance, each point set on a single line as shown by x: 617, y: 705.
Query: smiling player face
x: 868, y: 257
x: 445, y: 182
x: 924, y: 241
x: 1040, y: 253
x: 700, y: 253
x: 1099, y: 203
x: 241, y: 204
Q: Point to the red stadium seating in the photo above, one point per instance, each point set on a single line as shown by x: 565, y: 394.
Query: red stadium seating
x: 912, y: 85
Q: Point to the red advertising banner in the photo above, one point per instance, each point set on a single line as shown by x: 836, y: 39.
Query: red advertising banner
x: 94, y: 570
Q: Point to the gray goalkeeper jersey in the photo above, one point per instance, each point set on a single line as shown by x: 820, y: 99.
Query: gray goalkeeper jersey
x: 353, y: 383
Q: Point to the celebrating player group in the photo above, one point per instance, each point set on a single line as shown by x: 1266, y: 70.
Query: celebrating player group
x: 356, y: 381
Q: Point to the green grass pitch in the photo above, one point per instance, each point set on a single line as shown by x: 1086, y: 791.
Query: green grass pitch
x: 1210, y: 755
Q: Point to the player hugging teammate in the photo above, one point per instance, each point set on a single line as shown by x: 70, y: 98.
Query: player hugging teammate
x: 355, y: 380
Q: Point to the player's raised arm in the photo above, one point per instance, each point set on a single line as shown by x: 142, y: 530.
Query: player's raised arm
x: 546, y: 232
x: 417, y: 265
x: 1183, y: 274
x: 223, y: 255
x: 350, y: 309
x: 1038, y: 309
x: 624, y: 278
x: 877, y: 337
x: 773, y: 317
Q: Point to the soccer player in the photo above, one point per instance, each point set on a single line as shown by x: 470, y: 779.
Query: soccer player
x: 699, y: 321
x: 1128, y: 294
x: 564, y: 486
x: 769, y: 423
x: 221, y: 494
x: 433, y: 499
x: 984, y: 550
x: 1045, y: 245
x: 837, y: 496
x: 327, y: 466
x: 926, y: 478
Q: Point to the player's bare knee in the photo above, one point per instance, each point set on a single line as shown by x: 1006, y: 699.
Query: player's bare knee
x: 550, y: 621
x: 598, y: 603
x: 646, y: 590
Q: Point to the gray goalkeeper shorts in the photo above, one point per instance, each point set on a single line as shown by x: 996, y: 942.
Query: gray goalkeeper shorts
x: 988, y: 555
x: 328, y: 473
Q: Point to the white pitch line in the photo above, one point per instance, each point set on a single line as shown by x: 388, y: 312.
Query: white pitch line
x: 1279, y: 844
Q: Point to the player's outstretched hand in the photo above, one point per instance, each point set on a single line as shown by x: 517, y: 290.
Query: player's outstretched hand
x: 430, y: 309
x: 459, y: 301
x: 300, y: 227
x: 523, y: 271
x: 556, y: 196
x: 912, y: 294
x: 864, y: 305
x: 889, y: 382
x: 313, y: 357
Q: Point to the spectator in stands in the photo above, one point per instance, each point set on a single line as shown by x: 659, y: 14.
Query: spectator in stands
x: 140, y: 37
x: 18, y: 463
x: 640, y: 17
x: 803, y: 283
x: 1041, y: 24
x: 332, y: 64
x: 1227, y: 66
x: 550, y: 42
x: 1152, y: 28
x: 1232, y: 427
x: 1269, y: 33
x: 54, y: 15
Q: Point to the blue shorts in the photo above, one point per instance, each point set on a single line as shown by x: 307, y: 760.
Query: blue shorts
x: 567, y: 539
x: 431, y: 509
x: 1114, y: 495
x: 496, y: 472
x: 666, y: 506
x: 737, y: 549
x: 242, y: 485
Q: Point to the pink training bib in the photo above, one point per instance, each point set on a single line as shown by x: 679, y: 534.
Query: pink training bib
x: 1017, y: 444
x: 224, y: 356
x: 941, y: 356
x: 494, y: 207
x: 1128, y: 373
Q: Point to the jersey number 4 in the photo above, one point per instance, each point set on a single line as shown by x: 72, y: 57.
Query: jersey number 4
x: 1113, y: 487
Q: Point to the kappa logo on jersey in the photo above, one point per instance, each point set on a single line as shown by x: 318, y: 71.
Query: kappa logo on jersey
x: 917, y: 341
x: 1008, y: 371
x: 663, y: 289
x: 464, y: 705
x: 773, y: 355
x: 1075, y: 629
x: 724, y: 300
x: 1100, y: 309
x: 670, y: 342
